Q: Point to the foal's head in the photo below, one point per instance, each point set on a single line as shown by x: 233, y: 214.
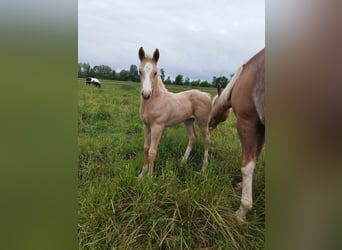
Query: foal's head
x: 148, y: 72
x: 220, y: 110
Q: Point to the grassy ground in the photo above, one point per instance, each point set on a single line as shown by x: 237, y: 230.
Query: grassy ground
x: 180, y: 207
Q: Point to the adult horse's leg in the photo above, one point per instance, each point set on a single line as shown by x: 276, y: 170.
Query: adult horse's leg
x: 147, y: 143
x: 156, y: 133
x: 203, y: 124
x: 248, y: 134
x: 190, y: 129
x: 260, y: 143
x: 261, y: 138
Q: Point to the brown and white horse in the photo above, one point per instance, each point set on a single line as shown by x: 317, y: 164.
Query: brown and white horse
x: 245, y: 94
x: 160, y: 108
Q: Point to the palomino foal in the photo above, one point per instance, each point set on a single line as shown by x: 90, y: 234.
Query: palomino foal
x: 160, y: 108
x: 245, y: 94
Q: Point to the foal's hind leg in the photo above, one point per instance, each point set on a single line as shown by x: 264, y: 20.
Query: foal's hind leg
x: 190, y: 129
x: 203, y: 124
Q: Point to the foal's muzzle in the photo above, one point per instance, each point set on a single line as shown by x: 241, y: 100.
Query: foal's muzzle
x: 211, y: 126
x: 146, y: 94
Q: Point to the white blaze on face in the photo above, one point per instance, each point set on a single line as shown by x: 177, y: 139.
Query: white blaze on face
x: 147, y: 83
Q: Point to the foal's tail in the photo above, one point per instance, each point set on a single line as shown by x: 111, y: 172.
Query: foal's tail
x: 228, y: 89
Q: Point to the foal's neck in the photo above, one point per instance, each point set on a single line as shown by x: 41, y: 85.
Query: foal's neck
x: 158, y: 87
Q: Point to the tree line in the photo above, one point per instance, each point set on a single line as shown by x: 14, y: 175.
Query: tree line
x: 106, y: 72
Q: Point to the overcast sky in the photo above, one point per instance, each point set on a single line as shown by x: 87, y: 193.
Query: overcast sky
x: 196, y: 38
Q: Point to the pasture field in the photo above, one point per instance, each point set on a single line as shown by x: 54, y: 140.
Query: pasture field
x: 180, y: 207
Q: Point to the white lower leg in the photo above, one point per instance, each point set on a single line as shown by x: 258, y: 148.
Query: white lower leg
x: 143, y: 170
x: 186, y: 154
x: 246, y: 197
x: 205, y: 160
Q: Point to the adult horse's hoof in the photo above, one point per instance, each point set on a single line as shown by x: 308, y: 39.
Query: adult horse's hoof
x: 240, y: 215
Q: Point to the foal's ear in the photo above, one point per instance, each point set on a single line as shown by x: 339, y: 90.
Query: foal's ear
x: 141, y: 53
x: 156, y: 55
x: 219, y: 89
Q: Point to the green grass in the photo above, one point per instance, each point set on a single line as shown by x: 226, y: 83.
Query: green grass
x: 180, y: 207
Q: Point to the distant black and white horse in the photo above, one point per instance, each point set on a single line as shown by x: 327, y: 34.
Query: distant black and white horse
x: 92, y: 80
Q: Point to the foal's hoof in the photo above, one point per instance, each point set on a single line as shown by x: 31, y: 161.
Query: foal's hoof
x: 141, y: 175
x: 204, y: 167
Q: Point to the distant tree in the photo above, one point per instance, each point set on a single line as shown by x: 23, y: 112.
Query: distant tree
x: 103, y: 71
x: 195, y: 83
x: 162, y: 74
x: 168, y: 80
x: 114, y: 75
x: 204, y: 84
x: 96, y: 70
x: 179, y: 80
x: 123, y: 75
x: 92, y: 73
x: 187, y: 81
x: 214, y: 81
x: 83, y: 69
x: 222, y: 80
x: 133, y: 73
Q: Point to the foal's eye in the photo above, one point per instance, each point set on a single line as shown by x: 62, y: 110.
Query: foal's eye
x: 155, y: 73
x: 140, y: 72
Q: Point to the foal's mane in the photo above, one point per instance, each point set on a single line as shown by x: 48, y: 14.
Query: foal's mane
x: 161, y: 84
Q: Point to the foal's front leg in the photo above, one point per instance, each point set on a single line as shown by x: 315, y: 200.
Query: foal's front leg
x: 156, y: 133
x: 147, y: 143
